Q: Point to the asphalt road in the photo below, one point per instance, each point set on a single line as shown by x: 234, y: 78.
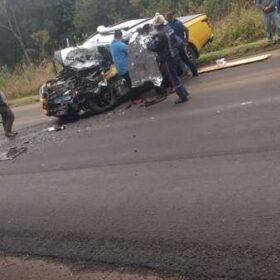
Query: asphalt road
x: 191, y: 189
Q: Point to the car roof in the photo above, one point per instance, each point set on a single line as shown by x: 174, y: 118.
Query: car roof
x: 101, y: 39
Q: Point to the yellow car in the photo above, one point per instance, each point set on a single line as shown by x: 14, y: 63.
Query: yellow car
x: 200, y: 33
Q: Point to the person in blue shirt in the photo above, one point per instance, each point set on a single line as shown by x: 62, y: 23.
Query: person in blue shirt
x: 183, y: 33
x: 119, y: 51
x: 270, y: 15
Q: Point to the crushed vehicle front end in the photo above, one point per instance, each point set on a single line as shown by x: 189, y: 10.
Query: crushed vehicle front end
x: 59, y: 96
x: 56, y: 98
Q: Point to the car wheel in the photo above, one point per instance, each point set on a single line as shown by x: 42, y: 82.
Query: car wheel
x: 104, y: 103
x: 191, y: 53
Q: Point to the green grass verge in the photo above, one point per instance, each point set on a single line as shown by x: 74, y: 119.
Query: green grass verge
x: 238, y: 50
x: 24, y: 101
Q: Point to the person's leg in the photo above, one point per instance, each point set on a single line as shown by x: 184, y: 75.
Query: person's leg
x: 183, y: 67
x: 165, y: 81
x: 133, y: 93
x: 127, y: 79
x: 3, y: 120
x: 187, y: 61
x: 171, y: 73
x: 276, y: 18
x: 8, y: 121
x: 268, y: 26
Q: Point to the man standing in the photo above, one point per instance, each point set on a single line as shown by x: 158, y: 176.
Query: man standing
x: 119, y: 51
x: 164, y: 43
x: 269, y: 11
x: 7, y: 116
x: 183, y: 33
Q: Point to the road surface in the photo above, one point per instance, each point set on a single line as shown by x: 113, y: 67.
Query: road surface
x: 189, y: 190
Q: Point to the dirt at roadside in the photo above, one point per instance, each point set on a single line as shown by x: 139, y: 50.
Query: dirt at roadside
x: 14, y: 268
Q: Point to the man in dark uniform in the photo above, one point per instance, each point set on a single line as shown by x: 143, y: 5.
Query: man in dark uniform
x: 165, y: 44
x: 7, y: 115
x: 183, y: 33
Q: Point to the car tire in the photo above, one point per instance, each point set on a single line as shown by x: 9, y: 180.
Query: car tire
x: 98, y: 108
x: 191, y: 53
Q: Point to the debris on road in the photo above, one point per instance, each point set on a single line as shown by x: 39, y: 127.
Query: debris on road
x: 246, y: 103
x: 154, y: 100
x: 223, y: 64
x: 12, y: 267
x: 56, y: 128
x: 12, y: 153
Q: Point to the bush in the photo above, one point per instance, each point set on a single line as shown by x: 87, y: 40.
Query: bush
x: 3, y: 75
x: 241, y: 26
x: 25, y: 80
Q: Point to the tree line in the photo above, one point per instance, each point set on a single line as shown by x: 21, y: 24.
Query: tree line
x: 31, y: 29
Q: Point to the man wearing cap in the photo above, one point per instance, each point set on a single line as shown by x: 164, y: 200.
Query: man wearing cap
x: 183, y: 33
x: 165, y: 44
x: 7, y: 115
x: 119, y: 51
x: 270, y: 15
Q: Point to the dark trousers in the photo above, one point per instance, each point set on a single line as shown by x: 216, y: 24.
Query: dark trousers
x: 8, y: 119
x: 127, y: 79
x: 169, y: 69
x: 186, y: 60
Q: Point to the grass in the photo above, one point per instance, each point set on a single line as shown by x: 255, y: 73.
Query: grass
x: 22, y: 85
x: 237, y: 51
x: 25, y: 80
x: 24, y: 101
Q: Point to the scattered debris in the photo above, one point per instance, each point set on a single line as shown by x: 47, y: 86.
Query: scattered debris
x: 154, y: 100
x: 128, y: 106
x: 12, y: 153
x: 221, y: 62
x: 137, y: 101
x: 246, y: 103
x: 56, y: 128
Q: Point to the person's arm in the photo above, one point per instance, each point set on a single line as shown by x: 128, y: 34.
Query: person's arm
x: 157, y: 43
x: 124, y: 48
x: 259, y: 4
x: 271, y: 5
x: 186, y: 32
x: 278, y: 5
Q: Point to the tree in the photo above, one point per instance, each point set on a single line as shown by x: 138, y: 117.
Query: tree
x: 10, y: 22
x: 20, y: 19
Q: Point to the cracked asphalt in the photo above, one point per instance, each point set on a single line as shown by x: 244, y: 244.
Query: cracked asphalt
x: 190, y: 190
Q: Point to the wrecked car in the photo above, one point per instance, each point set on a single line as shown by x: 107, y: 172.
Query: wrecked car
x: 89, y: 80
